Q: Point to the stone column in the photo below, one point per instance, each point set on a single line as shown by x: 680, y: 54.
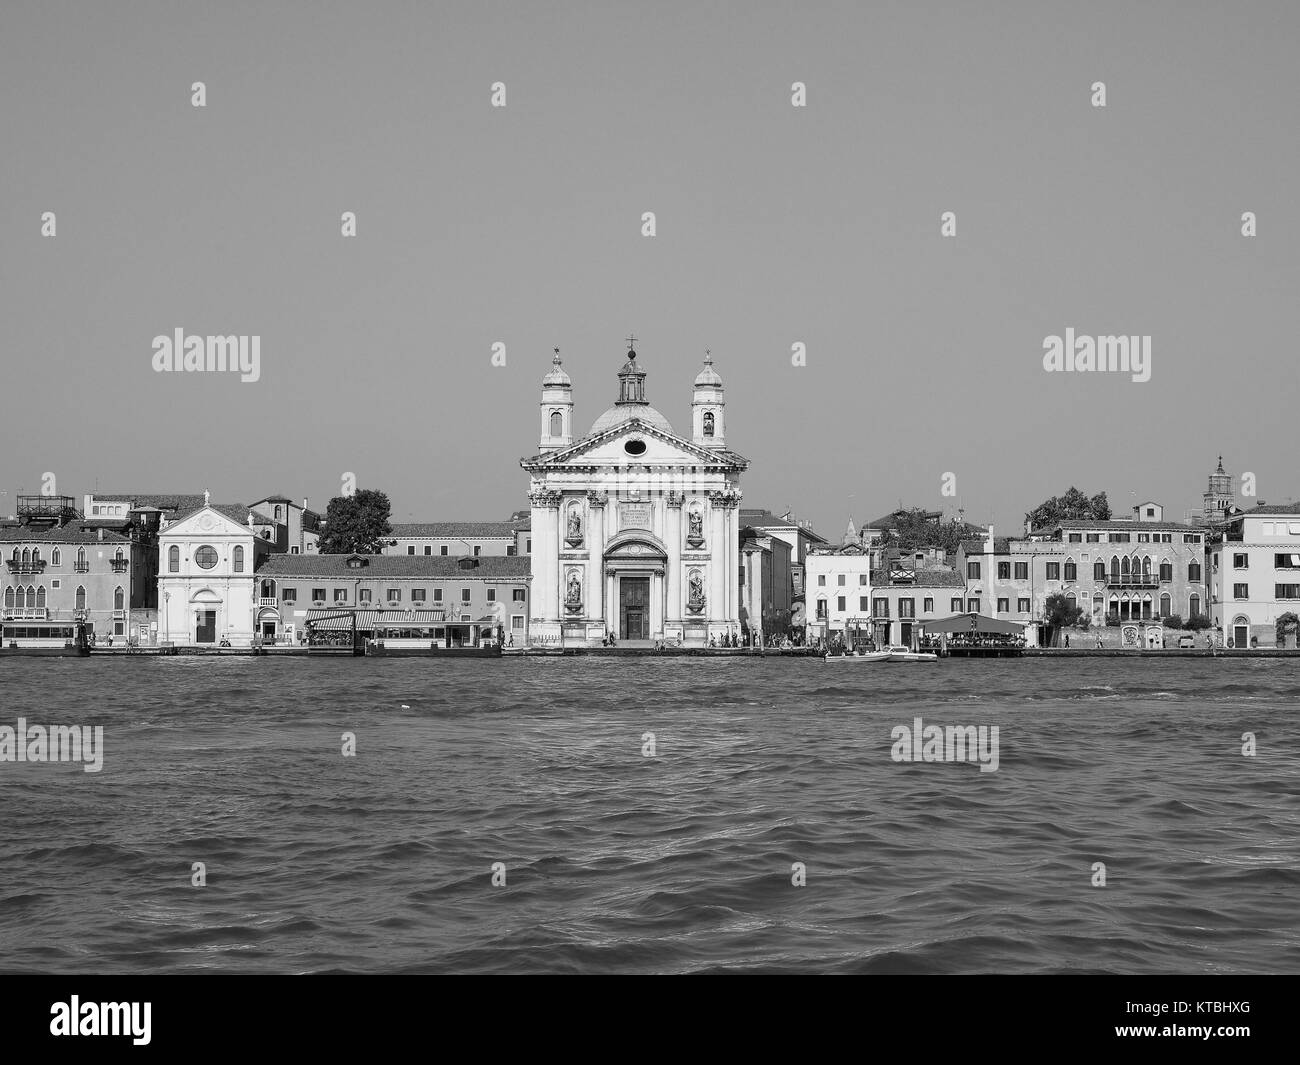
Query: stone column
x: 673, y: 531
x: 717, y: 607
x: 596, y: 538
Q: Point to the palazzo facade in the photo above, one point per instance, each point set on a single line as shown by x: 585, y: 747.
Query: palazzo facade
x: 635, y: 529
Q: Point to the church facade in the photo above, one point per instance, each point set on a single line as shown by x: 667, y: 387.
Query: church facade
x: 635, y: 528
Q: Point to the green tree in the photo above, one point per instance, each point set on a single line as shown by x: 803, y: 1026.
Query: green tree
x: 1059, y: 613
x: 1196, y: 623
x: 914, y: 531
x: 356, y: 523
x: 1072, y: 506
x: 1173, y: 621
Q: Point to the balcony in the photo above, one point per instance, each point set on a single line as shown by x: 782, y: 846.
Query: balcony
x: 268, y: 600
x: 30, y: 566
x: 28, y: 613
x: 1132, y: 580
x: 81, y: 567
x: 120, y: 564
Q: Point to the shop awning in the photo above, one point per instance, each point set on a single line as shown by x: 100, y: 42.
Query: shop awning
x: 980, y: 623
x: 375, y: 619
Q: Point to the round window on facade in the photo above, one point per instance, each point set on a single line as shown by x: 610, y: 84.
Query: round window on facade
x: 635, y: 447
x: 205, y: 557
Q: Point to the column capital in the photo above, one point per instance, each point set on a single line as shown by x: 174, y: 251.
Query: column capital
x: 597, y: 499
x: 544, y: 497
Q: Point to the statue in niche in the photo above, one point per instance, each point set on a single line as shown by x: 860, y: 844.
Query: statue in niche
x: 695, y: 529
x: 695, y: 593
x: 573, y: 595
x: 574, y: 536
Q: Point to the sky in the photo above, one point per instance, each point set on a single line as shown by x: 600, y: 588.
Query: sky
x: 775, y: 225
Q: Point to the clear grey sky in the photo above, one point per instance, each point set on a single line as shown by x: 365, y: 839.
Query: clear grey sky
x: 775, y: 225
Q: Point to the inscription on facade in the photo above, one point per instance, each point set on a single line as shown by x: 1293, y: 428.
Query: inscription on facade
x: 634, y: 516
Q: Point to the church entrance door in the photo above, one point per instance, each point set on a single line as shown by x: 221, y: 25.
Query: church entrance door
x: 634, y: 608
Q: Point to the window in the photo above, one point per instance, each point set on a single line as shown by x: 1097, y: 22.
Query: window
x: 1076, y: 538
x: 973, y: 605
x: 557, y: 423
x: 95, y: 509
x: 417, y: 595
x: 821, y: 609
x: 1241, y: 591
x: 517, y: 622
x: 840, y: 580
x: 318, y: 596
x: 1053, y: 571
x: 464, y: 595
x: 1071, y: 572
x: 1099, y: 571
x: 1094, y: 538
x: 40, y: 595
x: 9, y: 598
x: 863, y: 604
x: 821, y: 580
x: 517, y: 595
x: 1165, y: 605
x: 528, y: 545
x: 363, y: 597
x: 708, y: 423
x: 442, y: 550
x: 410, y: 549
x: 862, y: 580
x: 955, y: 604
x: 1022, y: 605
x: 1240, y: 561
x: 1286, y: 561
x: 972, y: 571
x: 237, y: 559
x: 1193, y: 571
x: 173, y: 559
x: 1004, y: 606
x: 477, y: 550
x: 839, y: 604
x: 907, y: 608
x: 437, y: 595
x: 293, y: 550
x: 289, y: 595
x: 880, y: 608
x: 56, y: 558
x: 205, y: 557
x: 1191, y: 538
x: 1193, y: 606
x: 394, y: 595
x: 1022, y: 571
x: 1004, y: 571
x: 428, y: 549
x: 492, y: 595
x: 1287, y: 591
x: 1166, y: 571
x: 340, y: 595
x: 1166, y: 538
x: 119, y: 598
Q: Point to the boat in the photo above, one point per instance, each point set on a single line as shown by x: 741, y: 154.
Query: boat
x: 859, y: 656
x: 899, y: 653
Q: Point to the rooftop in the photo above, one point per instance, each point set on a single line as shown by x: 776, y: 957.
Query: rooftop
x: 454, y: 529
x: 429, y: 567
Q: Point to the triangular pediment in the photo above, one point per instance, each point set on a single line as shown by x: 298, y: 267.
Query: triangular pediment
x: 206, y: 522
x: 609, y: 448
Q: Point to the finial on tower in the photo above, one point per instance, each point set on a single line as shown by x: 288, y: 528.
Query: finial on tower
x: 631, y: 351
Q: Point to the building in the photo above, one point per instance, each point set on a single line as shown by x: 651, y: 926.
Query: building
x: 1218, y: 500
x: 1255, y: 576
x: 292, y: 529
x: 447, y: 599
x: 765, y: 585
x: 58, y: 568
x: 452, y: 539
x: 839, y: 592
x: 908, y: 590
x: 635, y: 528
x: 801, y: 537
x: 1115, y: 571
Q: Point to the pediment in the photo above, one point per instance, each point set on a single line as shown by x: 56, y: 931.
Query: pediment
x: 609, y: 448
x: 205, y: 523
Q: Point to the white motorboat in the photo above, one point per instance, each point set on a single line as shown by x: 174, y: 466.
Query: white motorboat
x: 860, y: 656
x: 899, y: 653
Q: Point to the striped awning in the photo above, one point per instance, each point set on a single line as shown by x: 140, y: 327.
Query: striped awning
x: 375, y: 619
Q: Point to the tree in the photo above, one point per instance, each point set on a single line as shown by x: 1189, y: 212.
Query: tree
x: 1173, y: 621
x: 1060, y: 613
x: 1072, y: 506
x: 1196, y: 622
x: 913, y: 530
x: 356, y: 523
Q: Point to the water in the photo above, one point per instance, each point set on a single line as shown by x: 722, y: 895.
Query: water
x: 682, y: 862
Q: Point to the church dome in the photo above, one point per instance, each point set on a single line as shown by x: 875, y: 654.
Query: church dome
x: 556, y: 375
x: 708, y: 377
x: 625, y: 412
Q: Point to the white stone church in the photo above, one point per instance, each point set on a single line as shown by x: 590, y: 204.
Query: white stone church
x: 635, y: 529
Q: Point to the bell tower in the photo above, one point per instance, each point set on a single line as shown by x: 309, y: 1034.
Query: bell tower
x: 557, y: 408
x: 708, y: 407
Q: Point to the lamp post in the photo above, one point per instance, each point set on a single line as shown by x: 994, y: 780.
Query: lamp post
x: 167, y: 598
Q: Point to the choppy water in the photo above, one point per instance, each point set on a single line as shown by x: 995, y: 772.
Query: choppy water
x: 681, y: 862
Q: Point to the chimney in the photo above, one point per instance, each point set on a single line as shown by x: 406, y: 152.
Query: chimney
x: 304, y: 502
x: 988, y: 543
x: 101, y: 534
x: 250, y: 519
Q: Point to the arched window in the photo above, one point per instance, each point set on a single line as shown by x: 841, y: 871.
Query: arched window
x: 708, y: 423
x: 1123, y: 567
x: 81, y: 597
x: 27, y: 557
x: 1146, y: 567
x: 9, y: 598
x: 277, y: 512
x: 1166, y: 570
x: 36, y: 554
x: 17, y: 556
x: 1114, y: 568
x: 31, y: 596
x: 237, y: 559
x: 1165, y: 605
x: 557, y: 423
x: 1070, y: 600
x: 1193, y: 606
x: 1099, y: 571
x: 1146, y: 605
x: 118, y: 554
x: 56, y: 557
x: 1098, y: 604
x: 268, y: 589
x: 40, y: 596
x: 119, y: 600
x: 173, y: 559
x: 81, y: 556
x: 1071, y: 571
